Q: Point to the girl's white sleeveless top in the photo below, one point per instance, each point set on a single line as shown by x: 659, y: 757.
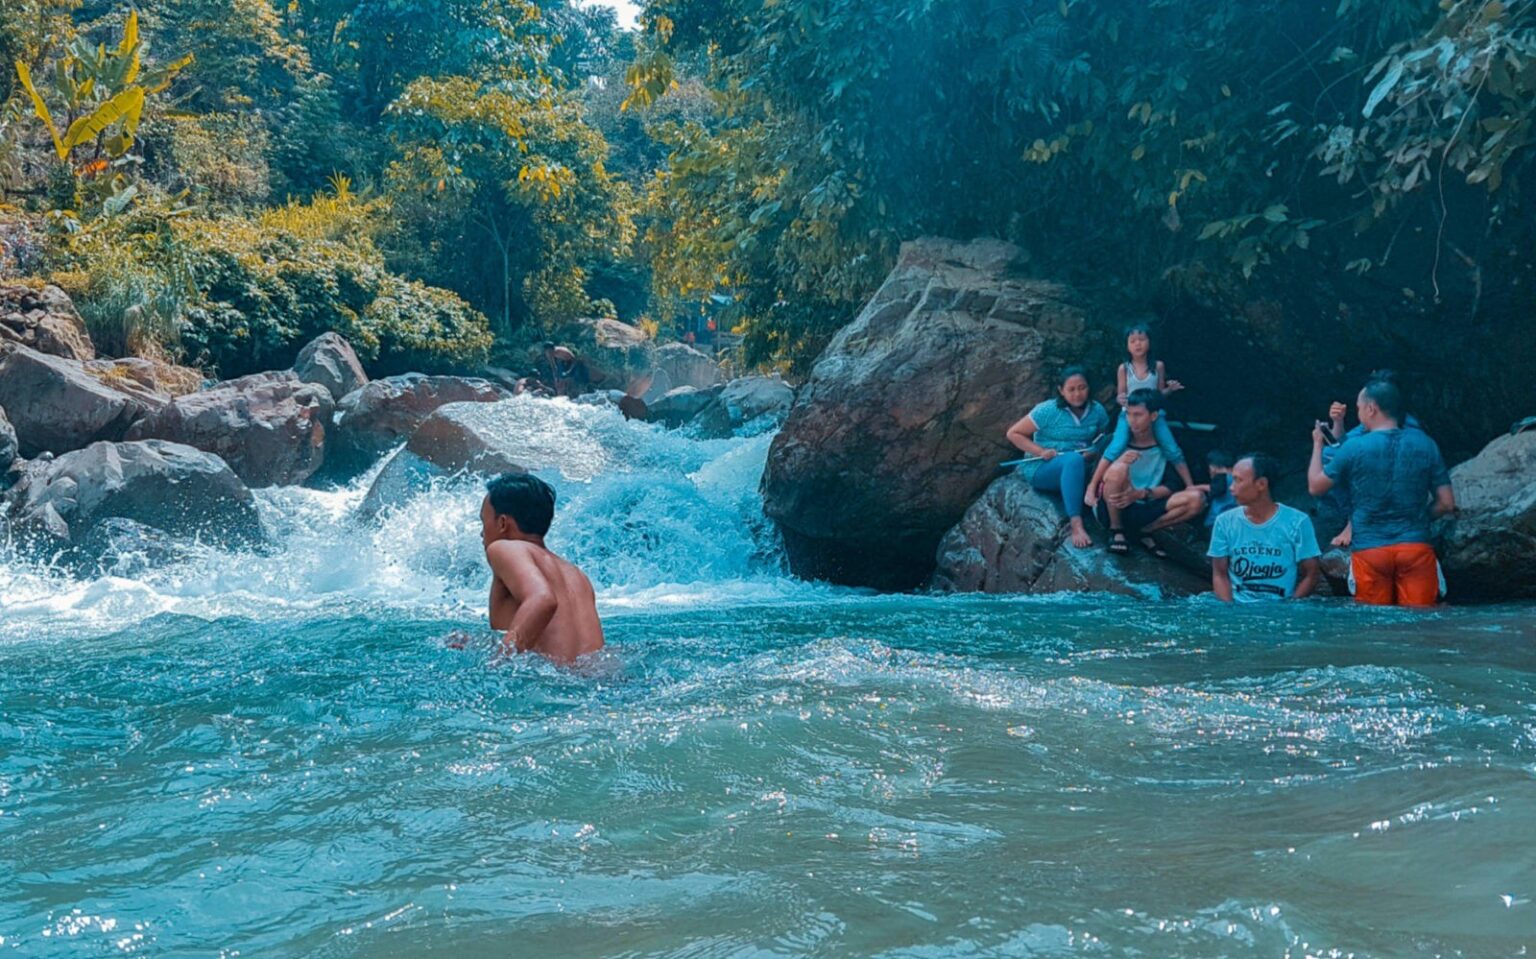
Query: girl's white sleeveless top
x: 1134, y: 382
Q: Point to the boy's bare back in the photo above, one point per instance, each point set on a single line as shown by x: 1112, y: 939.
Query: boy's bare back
x: 525, y: 573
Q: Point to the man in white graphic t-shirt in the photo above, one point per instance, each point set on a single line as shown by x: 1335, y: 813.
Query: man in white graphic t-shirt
x: 1262, y: 550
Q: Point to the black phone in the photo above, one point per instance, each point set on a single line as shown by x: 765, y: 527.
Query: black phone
x: 1327, y: 432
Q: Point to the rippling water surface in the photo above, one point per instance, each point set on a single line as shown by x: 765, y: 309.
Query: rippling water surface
x: 277, y: 755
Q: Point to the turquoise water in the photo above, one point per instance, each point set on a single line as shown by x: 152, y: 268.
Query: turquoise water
x: 276, y: 755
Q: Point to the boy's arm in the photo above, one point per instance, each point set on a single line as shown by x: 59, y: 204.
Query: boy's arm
x: 513, y: 565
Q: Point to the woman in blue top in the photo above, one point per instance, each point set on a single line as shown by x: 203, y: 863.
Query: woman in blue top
x: 1058, y: 436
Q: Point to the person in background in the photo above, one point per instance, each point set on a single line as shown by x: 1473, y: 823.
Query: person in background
x: 1058, y: 436
x: 1134, y: 498
x: 568, y: 376
x: 1219, y: 496
x: 1141, y: 370
x: 1261, y: 550
x: 1332, y: 509
x: 1396, y: 481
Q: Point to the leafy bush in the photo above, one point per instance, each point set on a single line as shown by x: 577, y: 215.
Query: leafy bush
x: 239, y: 295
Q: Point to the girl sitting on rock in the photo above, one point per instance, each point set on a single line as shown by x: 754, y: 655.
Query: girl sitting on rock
x: 1058, y: 436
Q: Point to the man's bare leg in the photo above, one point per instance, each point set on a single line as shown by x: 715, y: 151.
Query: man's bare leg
x: 1117, y: 489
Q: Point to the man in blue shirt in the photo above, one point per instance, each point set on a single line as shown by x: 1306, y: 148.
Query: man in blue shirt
x: 1261, y: 550
x: 1391, y: 476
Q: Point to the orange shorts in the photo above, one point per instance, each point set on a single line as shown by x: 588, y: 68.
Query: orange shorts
x: 1404, y: 574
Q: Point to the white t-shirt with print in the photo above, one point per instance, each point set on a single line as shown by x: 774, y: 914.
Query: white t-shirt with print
x: 1264, y: 559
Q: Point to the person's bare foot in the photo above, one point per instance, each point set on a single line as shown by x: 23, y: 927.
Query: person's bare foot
x: 1080, y: 537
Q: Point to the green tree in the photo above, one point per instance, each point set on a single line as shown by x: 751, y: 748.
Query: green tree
x: 501, y: 194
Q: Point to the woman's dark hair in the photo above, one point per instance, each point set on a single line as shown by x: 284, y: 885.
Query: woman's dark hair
x: 1067, y: 374
x: 1146, y: 331
x: 527, y: 499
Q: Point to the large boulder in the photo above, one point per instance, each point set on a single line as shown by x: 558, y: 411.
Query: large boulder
x: 679, y: 406
x: 271, y: 431
x: 1488, y: 551
x: 381, y: 415
x: 56, y: 406
x: 44, y: 319
x: 330, y: 361
x: 901, y: 424
x: 7, y: 443
x: 169, y: 487
x: 1015, y: 540
x: 526, y: 434
x: 686, y: 366
x: 745, y: 400
x: 616, y: 354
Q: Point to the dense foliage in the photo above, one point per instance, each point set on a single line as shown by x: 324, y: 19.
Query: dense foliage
x: 1125, y: 145
x: 222, y: 179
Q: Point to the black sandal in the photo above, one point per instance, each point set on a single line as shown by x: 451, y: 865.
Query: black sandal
x: 1118, y: 544
x: 1150, y: 545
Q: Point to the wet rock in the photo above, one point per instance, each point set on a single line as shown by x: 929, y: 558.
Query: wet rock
x: 271, y: 430
x: 1488, y: 551
x: 56, y: 406
x: 43, y: 319
x: 381, y: 415
x: 330, y: 361
x: 686, y: 366
x: 746, y: 400
x: 679, y: 406
x: 122, y: 547
x: 523, y: 435
x: 1015, y: 540
x: 1335, y: 569
x: 7, y: 443
x: 175, y: 489
x: 901, y: 424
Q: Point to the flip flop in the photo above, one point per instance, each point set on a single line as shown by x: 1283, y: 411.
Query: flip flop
x: 1118, y: 543
x: 1150, y: 545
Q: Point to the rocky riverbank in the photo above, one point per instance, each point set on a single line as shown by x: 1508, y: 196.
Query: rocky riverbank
x: 884, y: 472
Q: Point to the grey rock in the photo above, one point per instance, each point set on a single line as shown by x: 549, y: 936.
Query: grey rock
x: 901, y: 424
x: 1015, y: 540
x: 1488, y: 551
x: 270, y: 429
x: 330, y: 361
x: 383, y: 414
x: 43, y: 319
x: 170, y: 487
x: 56, y: 406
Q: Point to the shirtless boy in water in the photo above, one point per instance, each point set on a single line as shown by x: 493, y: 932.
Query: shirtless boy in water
x: 543, y: 603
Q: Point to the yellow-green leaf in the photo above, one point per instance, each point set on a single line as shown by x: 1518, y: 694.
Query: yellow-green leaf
x: 40, y: 107
x: 1139, y: 152
x: 125, y: 108
x: 129, y: 47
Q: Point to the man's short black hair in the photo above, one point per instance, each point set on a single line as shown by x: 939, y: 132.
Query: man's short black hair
x: 524, y: 497
x: 1219, y: 459
x: 1151, y: 399
x: 1265, y: 467
x: 1387, y: 396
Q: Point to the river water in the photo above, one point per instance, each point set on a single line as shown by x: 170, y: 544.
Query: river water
x: 278, y: 755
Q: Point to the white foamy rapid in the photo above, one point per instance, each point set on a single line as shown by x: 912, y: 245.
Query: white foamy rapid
x: 656, y: 518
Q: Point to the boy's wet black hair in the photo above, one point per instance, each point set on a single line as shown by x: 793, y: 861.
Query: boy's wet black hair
x: 524, y: 497
x: 1151, y: 399
x: 1219, y: 459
